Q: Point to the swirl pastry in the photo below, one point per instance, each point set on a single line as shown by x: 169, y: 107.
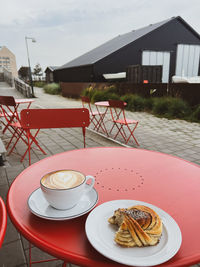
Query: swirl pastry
x: 138, y: 226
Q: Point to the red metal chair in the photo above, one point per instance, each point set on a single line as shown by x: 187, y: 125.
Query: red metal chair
x: 117, y: 109
x: 96, y: 117
x: 3, y: 221
x: 11, y: 116
x: 8, y: 112
x: 51, y: 118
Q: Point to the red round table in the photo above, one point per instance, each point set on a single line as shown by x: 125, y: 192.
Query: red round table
x: 167, y: 182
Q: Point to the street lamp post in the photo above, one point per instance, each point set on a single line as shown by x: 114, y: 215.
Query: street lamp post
x: 30, y: 74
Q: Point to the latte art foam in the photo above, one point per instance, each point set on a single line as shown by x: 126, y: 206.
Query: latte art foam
x: 63, y: 179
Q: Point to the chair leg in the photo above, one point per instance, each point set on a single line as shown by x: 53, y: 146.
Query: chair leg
x: 30, y: 262
x: 119, y: 131
x: 41, y: 261
x: 83, y: 129
x: 18, y: 137
x: 102, y: 124
x: 33, y: 140
x: 13, y: 136
x: 94, y: 121
x: 99, y: 123
x: 131, y: 134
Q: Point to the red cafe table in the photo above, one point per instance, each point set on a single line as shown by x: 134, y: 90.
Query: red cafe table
x: 167, y: 182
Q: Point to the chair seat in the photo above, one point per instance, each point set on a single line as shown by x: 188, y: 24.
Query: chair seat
x: 16, y: 124
x: 95, y: 113
x: 127, y: 121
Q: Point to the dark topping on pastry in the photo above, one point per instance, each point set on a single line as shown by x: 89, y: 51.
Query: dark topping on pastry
x: 137, y: 214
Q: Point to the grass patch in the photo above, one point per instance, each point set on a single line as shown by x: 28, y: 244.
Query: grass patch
x: 52, y: 89
x: 40, y: 84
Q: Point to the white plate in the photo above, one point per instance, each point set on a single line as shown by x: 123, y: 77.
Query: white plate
x: 101, y: 236
x: 40, y: 207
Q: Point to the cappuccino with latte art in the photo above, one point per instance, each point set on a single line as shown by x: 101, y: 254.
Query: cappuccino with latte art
x: 63, y: 189
x: 63, y: 179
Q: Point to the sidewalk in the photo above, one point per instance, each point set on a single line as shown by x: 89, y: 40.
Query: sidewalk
x: 174, y: 137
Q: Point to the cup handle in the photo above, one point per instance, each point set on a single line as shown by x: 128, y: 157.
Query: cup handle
x: 89, y: 186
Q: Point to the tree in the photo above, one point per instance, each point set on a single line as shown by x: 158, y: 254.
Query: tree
x: 37, y: 71
x: 24, y: 73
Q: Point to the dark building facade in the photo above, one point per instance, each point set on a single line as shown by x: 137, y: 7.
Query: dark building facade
x: 172, y: 43
x: 49, y: 74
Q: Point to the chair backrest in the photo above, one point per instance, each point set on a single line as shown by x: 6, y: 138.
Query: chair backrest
x: 117, y: 109
x: 86, y: 103
x: 9, y: 107
x: 3, y: 220
x: 7, y: 101
x: 54, y: 118
x: 116, y: 104
x: 85, y: 99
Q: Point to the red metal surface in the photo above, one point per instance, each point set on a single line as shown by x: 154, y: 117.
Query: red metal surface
x: 54, y: 118
x: 3, y: 221
x: 165, y: 181
x: 51, y: 118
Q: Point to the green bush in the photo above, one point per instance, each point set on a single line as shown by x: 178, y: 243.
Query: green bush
x: 148, y: 103
x: 178, y: 108
x: 134, y: 102
x: 103, y: 96
x: 111, y: 89
x: 52, y: 88
x: 161, y: 106
x: 89, y: 91
x: 171, y: 107
x: 127, y: 98
x: 39, y: 84
x: 195, y: 116
x: 137, y: 103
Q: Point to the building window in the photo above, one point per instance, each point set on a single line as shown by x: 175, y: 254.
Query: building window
x: 187, y: 60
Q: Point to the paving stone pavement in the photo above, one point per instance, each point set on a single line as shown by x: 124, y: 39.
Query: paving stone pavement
x: 175, y: 137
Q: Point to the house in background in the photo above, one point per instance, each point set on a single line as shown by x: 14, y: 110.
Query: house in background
x: 49, y: 73
x: 172, y: 44
x: 8, y: 61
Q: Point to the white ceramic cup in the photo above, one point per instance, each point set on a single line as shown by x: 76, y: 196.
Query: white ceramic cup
x: 66, y: 198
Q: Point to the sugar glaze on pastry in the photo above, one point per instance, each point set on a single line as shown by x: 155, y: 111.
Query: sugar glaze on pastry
x: 138, y: 226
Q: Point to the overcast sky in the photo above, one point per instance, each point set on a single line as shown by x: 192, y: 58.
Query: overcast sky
x: 65, y: 29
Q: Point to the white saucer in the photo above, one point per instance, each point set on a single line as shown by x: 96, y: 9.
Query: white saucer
x: 41, y: 208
